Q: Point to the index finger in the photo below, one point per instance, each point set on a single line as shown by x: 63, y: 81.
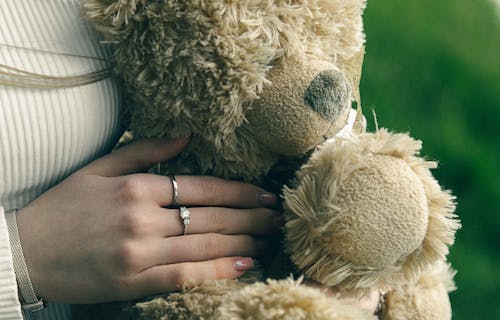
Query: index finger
x: 135, y: 157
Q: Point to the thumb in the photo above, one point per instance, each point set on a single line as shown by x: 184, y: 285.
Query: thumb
x: 135, y: 157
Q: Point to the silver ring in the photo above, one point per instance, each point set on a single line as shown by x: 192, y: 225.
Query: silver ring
x: 185, y: 215
x: 175, y: 188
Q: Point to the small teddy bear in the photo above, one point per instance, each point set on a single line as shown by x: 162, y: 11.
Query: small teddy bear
x: 265, y: 89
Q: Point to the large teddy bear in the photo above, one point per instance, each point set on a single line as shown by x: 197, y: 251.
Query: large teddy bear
x: 266, y: 91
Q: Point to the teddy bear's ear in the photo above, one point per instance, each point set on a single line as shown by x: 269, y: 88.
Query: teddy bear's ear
x: 111, y: 17
x: 352, y: 68
x: 327, y: 29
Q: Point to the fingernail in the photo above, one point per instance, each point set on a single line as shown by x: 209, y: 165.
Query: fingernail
x: 267, y: 199
x: 243, y: 264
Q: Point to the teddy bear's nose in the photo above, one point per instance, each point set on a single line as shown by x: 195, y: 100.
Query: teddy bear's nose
x: 328, y: 94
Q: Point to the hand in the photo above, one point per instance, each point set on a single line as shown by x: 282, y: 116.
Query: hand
x: 105, y: 234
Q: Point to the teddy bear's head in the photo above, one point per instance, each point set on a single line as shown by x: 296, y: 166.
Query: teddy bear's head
x: 250, y: 81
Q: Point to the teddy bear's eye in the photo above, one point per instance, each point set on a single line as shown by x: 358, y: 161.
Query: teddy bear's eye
x: 328, y: 94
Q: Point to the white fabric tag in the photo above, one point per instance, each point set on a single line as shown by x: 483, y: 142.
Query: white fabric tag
x: 346, y: 131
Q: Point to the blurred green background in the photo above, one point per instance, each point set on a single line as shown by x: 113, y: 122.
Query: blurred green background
x: 432, y: 68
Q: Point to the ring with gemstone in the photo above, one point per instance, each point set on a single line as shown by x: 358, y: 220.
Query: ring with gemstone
x: 185, y: 216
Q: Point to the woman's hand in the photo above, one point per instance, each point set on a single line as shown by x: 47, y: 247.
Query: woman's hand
x: 105, y: 234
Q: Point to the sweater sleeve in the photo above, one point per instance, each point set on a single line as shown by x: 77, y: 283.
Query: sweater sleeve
x: 10, y: 308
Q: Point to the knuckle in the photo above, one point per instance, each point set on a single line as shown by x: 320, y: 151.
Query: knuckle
x: 210, y: 246
x: 217, y: 218
x: 131, y: 189
x: 126, y: 256
x: 181, y: 277
x: 208, y: 188
x: 134, y: 223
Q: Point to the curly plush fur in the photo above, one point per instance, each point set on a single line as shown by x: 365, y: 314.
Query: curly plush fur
x: 210, y: 59
x: 259, y: 84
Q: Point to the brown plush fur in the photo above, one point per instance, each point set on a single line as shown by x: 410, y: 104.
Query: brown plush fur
x: 258, y: 85
x: 194, y: 67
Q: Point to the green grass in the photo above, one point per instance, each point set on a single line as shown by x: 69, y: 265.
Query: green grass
x: 432, y: 68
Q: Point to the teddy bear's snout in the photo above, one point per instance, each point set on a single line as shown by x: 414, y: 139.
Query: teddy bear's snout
x: 328, y: 94
x: 305, y: 101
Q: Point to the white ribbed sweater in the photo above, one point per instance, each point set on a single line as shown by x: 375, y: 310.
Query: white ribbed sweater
x: 45, y: 134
